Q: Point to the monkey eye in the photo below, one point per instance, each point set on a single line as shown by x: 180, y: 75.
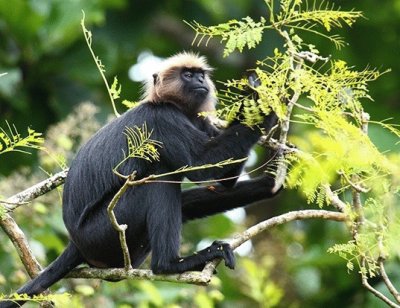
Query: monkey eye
x: 187, y: 74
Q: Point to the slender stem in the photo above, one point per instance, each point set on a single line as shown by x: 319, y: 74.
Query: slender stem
x: 334, y: 199
x: 121, y: 228
x: 182, y: 170
x: 285, y: 125
x: 365, y: 283
x: 88, y: 39
x: 355, y: 186
x: 359, y: 221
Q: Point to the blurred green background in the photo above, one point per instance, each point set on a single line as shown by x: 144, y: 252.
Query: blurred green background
x: 52, y: 77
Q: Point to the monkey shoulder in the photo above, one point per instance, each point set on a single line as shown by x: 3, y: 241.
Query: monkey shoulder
x: 167, y: 121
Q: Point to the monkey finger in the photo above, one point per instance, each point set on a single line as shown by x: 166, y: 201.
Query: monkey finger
x: 229, y: 257
x: 253, y: 80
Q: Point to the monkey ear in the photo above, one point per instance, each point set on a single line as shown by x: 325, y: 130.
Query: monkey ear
x: 155, y: 78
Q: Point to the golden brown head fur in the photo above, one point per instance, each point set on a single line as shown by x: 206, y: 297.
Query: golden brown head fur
x: 167, y: 84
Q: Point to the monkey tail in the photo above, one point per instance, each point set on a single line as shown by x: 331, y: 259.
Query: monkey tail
x: 67, y: 261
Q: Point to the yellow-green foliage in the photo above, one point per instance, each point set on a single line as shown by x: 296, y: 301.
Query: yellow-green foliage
x: 273, y: 74
x: 327, y: 95
x: 129, y: 104
x: 292, y: 15
x: 140, y: 145
x: 258, y: 284
x: 306, y: 15
x: 13, y: 141
x: 236, y: 34
x: 338, y: 146
x: 60, y: 300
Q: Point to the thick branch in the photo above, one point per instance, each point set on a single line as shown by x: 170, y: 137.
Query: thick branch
x: 20, y: 242
x: 282, y: 219
x: 197, y: 278
x: 204, y: 277
x: 14, y: 232
x: 273, y: 222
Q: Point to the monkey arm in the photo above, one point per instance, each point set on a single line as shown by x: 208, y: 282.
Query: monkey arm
x: 269, y: 122
x: 205, y: 201
x: 186, y: 145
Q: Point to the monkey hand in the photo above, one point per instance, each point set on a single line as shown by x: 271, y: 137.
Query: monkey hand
x: 271, y: 119
x: 254, y: 80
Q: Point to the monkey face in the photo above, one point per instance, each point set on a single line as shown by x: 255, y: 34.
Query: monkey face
x: 195, y: 82
x: 183, y: 80
x: 195, y: 87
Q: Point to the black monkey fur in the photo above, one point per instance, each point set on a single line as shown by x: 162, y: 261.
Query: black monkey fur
x: 154, y: 212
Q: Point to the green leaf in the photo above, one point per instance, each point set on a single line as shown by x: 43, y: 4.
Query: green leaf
x: 13, y: 141
x: 115, y: 89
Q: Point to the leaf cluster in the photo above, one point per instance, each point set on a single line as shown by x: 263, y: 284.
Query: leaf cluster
x: 301, y: 15
x: 235, y: 34
x: 252, y: 104
x: 292, y: 15
x: 140, y: 145
x: 12, y: 140
x: 335, y: 151
x: 61, y: 300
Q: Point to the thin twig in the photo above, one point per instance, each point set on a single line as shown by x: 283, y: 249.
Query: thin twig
x: 388, y: 282
x: 281, y: 170
x: 353, y: 185
x: 88, y: 38
x: 121, y: 228
x: 365, y: 283
x: 311, y: 57
x: 359, y: 221
x: 334, y: 199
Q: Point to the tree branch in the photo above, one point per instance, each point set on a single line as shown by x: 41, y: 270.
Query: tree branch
x: 204, y: 277
x: 20, y: 243
x: 11, y: 228
x: 35, y: 191
x: 388, y: 282
x: 334, y: 199
x: 121, y: 228
x: 381, y: 296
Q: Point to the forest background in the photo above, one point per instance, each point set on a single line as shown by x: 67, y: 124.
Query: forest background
x: 50, y: 79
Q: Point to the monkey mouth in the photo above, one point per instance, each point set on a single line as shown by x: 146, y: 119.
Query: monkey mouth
x: 201, y: 90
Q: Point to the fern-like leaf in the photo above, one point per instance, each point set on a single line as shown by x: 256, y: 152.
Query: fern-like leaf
x: 12, y: 140
x: 115, y: 89
x: 237, y: 34
x: 300, y: 15
x: 140, y: 145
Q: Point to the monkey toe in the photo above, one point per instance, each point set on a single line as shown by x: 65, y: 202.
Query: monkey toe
x: 226, y: 253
